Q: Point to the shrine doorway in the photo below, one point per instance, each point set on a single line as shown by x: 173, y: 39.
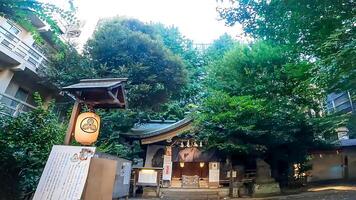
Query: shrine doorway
x: 190, y: 175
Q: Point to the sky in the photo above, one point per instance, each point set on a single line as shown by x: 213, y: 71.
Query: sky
x: 196, y: 19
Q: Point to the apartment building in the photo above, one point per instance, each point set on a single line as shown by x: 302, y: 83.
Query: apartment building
x: 20, y: 60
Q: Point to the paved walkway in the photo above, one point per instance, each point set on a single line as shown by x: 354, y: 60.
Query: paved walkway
x: 329, y: 192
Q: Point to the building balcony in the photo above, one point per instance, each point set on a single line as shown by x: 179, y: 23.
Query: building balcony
x: 19, y: 55
x: 10, y: 106
x: 339, y: 103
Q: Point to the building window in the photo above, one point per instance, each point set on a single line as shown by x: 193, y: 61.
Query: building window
x: 11, y: 28
x: 21, y: 95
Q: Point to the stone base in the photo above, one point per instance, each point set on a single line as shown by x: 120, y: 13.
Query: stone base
x: 149, y: 192
x: 266, y: 189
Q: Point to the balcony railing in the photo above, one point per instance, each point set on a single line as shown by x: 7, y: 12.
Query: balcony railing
x: 31, y: 55
x: 342, y: 102
x: 11, y: 106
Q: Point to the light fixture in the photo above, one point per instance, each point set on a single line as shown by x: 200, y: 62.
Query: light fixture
x: 200, y: 144
x: 147, y: 171
x: 201, y: 164
x: 87, y: 128
x: 182, y: 144
x: 181, y: 164
x: 188, y: 144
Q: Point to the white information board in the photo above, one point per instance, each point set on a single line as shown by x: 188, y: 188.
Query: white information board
x: 65, y: 173
x: 147, y: 177
x: 214, y: 172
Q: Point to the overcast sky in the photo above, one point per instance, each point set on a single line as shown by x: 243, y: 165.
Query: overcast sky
x: 196, y: 19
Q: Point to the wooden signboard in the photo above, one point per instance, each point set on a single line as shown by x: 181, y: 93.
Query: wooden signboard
x: 101, y: 178
x: 65, y: 173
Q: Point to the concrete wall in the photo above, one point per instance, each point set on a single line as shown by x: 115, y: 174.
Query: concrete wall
x: 327, y: 167
x: 351, y: 158
x: 5, y: 79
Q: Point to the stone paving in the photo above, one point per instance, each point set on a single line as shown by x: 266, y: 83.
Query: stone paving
x: 330, y: 192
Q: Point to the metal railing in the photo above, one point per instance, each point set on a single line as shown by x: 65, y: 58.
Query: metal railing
x: 31, y: 55
x: 13, y: 107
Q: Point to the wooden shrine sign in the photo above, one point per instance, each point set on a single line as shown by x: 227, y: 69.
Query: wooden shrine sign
x: 65, y: 173
x: 76, y: 172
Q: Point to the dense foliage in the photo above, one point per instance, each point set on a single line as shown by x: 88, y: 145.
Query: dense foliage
x: 25, y: 143
x: 261, y: 104
x: 322, y: 31
x: 126, y: 48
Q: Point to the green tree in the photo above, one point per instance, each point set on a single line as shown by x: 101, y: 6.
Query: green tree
x: 25, y: 143
x: 261, y: 104
x: 321, y: 30
x: 155, y: 74
x: 219, y: 47
x: 67, y: 67
x: 192, y: 58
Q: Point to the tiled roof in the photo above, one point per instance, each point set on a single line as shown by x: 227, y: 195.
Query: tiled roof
x: 96, y: 83
x: 155, y: 127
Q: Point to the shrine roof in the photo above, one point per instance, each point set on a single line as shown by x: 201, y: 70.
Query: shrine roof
x: 100, y: 93
x: 158, y: 130
x: 96, y: 83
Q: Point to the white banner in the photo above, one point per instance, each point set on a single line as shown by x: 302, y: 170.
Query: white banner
x: 167, y: 168
x: 65, y: 173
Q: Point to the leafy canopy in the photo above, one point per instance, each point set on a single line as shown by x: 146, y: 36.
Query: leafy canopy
x: 126, y: 48
x: 321, y: 30
x: 260, y: 104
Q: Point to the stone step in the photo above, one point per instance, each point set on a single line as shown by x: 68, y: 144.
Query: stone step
x: 190, y: 195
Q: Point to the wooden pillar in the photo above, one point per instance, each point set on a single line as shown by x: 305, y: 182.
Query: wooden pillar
x: 158, y: 182
x: 71, y: 125
x: 135, y: 176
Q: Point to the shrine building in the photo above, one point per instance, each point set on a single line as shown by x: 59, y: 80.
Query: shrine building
x: 171, y: 146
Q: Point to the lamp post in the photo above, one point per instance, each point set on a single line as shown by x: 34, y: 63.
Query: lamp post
x: 94, y: 93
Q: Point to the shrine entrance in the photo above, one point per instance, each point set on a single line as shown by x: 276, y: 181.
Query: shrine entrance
x: 190, y: 175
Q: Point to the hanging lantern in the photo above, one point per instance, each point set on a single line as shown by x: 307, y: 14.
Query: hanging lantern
x: 201, y: 164
x: 200, y: 144
x: 181, y: 164
x: 87, y: 128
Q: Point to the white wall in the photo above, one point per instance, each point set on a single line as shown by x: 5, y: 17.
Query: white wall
x: 5, y: 78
